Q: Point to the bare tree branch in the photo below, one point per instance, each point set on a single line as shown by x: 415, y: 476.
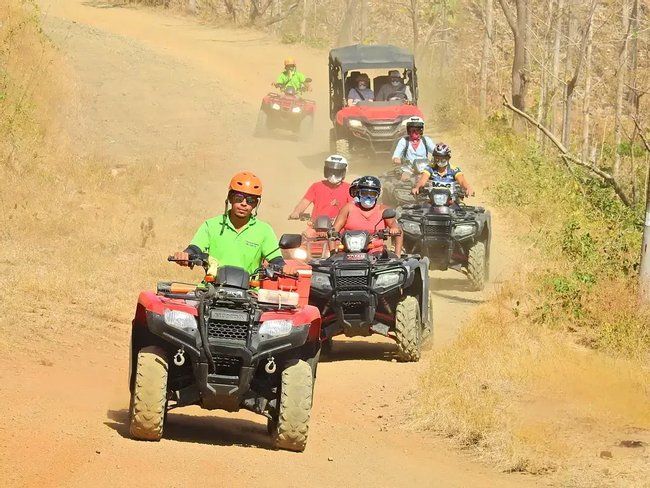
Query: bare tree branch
x: 641, y: 133
x: 566, y: 155
x: 509, y: 15
x: 284, y: 15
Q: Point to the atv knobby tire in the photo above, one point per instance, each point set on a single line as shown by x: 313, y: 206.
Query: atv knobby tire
x: 343, y: 148
x: 476, y: 266
x: 290, y: 429
x: 261, y: 128
x: 408, y: 329
x: 149, y: 396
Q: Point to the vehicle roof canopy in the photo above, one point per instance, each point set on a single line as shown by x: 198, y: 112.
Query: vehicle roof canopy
x: 362, y: 56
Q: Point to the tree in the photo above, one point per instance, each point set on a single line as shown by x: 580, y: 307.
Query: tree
x: 488, y: 22
x: 519, y: 26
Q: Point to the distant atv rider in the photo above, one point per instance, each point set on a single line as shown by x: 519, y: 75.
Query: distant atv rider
x: 442, y: 172
x: 237, y: 238
x: 291, y: 77
x: 415, y: 145
x: 395, y: 89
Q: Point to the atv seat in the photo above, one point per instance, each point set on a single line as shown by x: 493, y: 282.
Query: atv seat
x: 350, y: 81
x: 380, y: 81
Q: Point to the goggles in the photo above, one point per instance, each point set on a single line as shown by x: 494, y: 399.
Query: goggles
x: 250, y: 200
x: 367, y: 193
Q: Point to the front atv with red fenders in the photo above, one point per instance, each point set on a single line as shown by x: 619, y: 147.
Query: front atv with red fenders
x: 234, y: 342
x: 288, y: 112
x: 370, y: 127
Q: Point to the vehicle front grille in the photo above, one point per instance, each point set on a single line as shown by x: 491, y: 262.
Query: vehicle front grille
x: 229, y: 331
x: 351, y: 281
x: 227, y: 365
x: 380, y: 130
x: 437, y: 228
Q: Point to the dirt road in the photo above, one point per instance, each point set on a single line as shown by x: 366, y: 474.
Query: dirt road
x: 155, y: 88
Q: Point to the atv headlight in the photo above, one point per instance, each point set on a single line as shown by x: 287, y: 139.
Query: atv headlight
x: 275, y: 106
x: 355, y: 123
x: 355, y: 242
x: 411, y: 227
x: 440, y: 198
x: 276, y: 328
x: 181, y: 320
x: 321, y: 281
x: 299, y: 253
x: 463, y: 230
x: 387, y: 279
x: 296, y: 110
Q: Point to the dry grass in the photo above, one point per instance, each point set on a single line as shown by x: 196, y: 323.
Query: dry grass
x: 527, y: 399
x: 73, y: 255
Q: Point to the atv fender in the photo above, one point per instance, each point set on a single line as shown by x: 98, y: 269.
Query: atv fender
x: 417, y: 282
x: 484, y: 232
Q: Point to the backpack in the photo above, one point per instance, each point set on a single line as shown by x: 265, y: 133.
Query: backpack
x: 426, y: 146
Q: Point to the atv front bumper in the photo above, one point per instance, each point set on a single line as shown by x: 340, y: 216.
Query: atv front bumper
x: 236, y: 361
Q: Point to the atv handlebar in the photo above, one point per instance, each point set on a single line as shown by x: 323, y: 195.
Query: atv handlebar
x: 193, y: 260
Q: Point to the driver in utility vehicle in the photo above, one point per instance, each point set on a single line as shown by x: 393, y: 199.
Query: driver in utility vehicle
x: 364, y: 213
x: 395, y: 89
x: 237, y: 237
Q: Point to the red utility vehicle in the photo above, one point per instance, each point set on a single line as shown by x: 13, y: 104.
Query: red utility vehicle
x: 371, y: 127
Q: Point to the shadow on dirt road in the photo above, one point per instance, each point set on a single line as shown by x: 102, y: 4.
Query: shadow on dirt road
x: 207, y: 430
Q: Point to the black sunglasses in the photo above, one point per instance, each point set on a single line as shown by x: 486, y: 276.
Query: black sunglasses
x: 249, y: 199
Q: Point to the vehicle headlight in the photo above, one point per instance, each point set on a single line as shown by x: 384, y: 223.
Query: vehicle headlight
x: 321, y: 281
x: 276, y: 328
x: 181, y: 320
x: 387, y: 279
x: 299, y: 253
x: 463, y: 230
x: 355, y: 242
x: 275, y: 106
x: 296, y: 110
x: 411, y: 227
x: 355, y: 123
x: 440, y: 198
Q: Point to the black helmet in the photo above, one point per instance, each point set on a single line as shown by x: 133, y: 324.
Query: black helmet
x: 354, y: 188
x: 369, y: 183
x: 441, y: 151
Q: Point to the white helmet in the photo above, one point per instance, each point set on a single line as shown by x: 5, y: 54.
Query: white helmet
x: 335, y: 168
x: 415, y: 122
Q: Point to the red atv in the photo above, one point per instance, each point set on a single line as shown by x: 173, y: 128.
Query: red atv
x: 230, y: 343
x: 288, y: 111
x: 313, y: 246
x: 370, y: 127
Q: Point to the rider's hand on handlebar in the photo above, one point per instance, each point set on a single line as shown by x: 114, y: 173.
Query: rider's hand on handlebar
x: 182, y: 258
x: 415, y: 190
x: 469, y: 192
x: 289, y: 269
x: 294, y: 216
x: 394, y: 232
x: 397, y: 161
